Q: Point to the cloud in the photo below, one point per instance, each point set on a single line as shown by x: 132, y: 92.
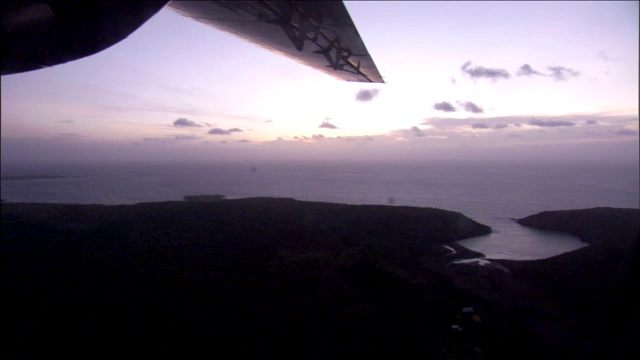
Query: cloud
x: 417, y: 131
x: 443, y: 124
x: 327, y: 125
x: 69, y: 121
x: 444, y: 106
x: 218, y: 131
x: 243, y: 141
x: 268, y: 121
x: 186, y: 123
x: 527, y: 70
x: 471, y: 107
x: 561, y: 73
x: 603, y: 56
x: 317, y: 136
x: 550, y: 123
x: 355, y: 138
x: 483, y: 72
x: 591, y: 122
x: 366, y: 94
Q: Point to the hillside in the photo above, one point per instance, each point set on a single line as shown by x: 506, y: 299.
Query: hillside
x: 280, y: 277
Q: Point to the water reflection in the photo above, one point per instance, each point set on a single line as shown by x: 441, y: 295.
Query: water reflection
x: 516, y: 242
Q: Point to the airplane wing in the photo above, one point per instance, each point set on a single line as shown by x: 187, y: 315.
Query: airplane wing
x: 42, y: 34
x: 319, y: 34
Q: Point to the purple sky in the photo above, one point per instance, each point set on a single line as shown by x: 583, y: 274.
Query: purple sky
x: 465, y: 80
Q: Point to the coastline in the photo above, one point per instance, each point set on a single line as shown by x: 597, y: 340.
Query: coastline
x: 281, y: 276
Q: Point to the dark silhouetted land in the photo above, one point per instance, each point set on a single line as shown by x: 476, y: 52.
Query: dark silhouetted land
x: 263, y: 276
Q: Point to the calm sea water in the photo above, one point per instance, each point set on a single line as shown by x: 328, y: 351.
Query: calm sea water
x: 492, y: 194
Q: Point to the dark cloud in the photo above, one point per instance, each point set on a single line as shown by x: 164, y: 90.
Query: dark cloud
x: 561, y: 73
x: 185, y: 122
x: 317, y: 136
x: 444, y: 106
x: 327, y: 125
x: 483, y: 72
x: 501, y: 126
x: 243, y: 141
x: 218, y: 131
x: 480, y: 126
x: 550, y: 123
x: 527, y: 70
x: 471, y: 107
x: 591, y: 122
x: 65, y: 121
x: 417, y: 131
x: 517, y: 125
x: 367, y: 94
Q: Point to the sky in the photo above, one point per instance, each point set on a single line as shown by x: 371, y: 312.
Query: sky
x: 463, y: 80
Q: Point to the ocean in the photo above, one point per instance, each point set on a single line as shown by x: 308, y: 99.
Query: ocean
x: 491, y: 193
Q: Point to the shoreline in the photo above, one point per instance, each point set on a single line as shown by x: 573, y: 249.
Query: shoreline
x: 308, y: 279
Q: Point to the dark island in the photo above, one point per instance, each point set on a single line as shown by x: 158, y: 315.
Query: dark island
x: 263, y: 276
